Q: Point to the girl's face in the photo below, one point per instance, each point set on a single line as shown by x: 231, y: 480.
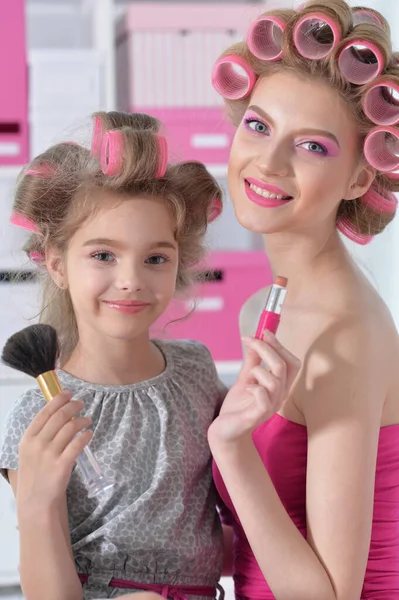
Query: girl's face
x: 121, y: 267
x: 294, y: 157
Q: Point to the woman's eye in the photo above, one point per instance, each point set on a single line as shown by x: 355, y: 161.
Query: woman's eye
x: 103, y: 256
x: 157, y: 259
x: 256, y: 125
x: 315, y: 148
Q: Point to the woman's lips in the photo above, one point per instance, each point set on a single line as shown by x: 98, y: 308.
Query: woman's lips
x: 267, y: 195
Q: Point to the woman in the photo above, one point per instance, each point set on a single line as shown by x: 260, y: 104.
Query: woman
x: 307, y: 463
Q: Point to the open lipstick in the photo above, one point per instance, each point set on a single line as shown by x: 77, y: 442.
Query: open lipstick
x: 270, y: 317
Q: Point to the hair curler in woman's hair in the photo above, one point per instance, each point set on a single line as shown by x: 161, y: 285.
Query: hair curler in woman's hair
x: 382, y: 201
x: 23, y: 222
x: 366, y: 15
x: 37, y: 257
x: 265, y: 37
x: 316, y: 35
x: 381, y: 102
x: 346, y: 227
x: 360, y: 61
x: 232, y: 77
x: 381, y: 149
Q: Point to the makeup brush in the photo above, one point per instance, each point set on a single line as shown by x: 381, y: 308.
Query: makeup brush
x: 34, y: 351
x: 270, y: 317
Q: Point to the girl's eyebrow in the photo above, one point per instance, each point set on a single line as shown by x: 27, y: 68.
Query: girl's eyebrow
x: 116, y: 244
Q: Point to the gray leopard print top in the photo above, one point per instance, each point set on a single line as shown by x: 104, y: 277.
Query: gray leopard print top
x: 159, y: 523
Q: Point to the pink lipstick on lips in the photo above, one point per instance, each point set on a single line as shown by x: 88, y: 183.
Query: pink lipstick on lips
x: 271, y: 189
x: 129, y: 307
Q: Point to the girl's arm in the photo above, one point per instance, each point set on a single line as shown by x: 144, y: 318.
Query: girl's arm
x: 343, y: 415
x: 47, y: 453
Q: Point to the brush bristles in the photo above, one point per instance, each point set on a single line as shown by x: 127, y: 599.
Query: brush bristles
x: 32, y: 350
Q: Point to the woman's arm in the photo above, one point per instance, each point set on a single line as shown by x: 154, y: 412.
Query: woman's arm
x: 343, y: 413
x: 48, y: 450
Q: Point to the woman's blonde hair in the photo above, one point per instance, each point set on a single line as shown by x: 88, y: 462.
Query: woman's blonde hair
x: 362, y: 218
x: 56, y: 193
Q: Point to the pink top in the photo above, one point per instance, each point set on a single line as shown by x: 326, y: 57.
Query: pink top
x: 282, y: 445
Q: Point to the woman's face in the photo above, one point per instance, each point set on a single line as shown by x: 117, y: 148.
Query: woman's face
x: 295, y: 156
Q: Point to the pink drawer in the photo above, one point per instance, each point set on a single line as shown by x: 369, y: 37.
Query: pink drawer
x: 195, y: 133
x: 233, y: 277
x: 13, y: 76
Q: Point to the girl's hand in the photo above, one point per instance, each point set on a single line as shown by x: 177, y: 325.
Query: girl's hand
x: 259, y: 391
x: 48, y: 450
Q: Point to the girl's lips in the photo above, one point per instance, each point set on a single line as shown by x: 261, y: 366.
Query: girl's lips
x: 261, y: 201
x: 126, y: 306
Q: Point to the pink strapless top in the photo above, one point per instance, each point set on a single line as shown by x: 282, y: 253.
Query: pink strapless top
x: 282, y: 445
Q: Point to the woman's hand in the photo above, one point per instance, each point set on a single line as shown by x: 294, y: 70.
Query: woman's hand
x: 47, y: 452
x: 259, y: 391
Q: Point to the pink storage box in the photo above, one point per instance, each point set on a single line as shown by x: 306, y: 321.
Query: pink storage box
x: 165, y: 54
x: 234, y: 277
x: 14, y: 147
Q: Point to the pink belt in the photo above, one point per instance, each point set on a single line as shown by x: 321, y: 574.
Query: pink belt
x: 166, y: 591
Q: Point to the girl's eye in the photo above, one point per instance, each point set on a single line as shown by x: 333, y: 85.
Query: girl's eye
x: 157, y: 259
x: 103, y: 256
x: 315, y: 148
x: 256, y: 125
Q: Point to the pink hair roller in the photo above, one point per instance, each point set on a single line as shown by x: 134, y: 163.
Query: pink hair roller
x: 305, y: 36
x: 265, y: 38
x: 216, y: 210
x: 97, y: 138
x: 360, y: 61
x: 381, y: 103
x: 162, y: 157
x: 345, y: 227
x: 111, y: 160
x: 232, y: 77
x: 23, y: 222
x: 37, y: 257
x: 386, y: 203
x: 381, y: 149
x: 363, y: 15
x: 44, y: 170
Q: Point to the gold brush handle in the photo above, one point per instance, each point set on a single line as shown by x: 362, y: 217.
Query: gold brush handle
x: 94, y: 479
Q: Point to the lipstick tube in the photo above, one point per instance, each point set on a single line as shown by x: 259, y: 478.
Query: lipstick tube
x: 270, y: 317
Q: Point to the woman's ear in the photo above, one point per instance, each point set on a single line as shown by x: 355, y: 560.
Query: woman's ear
x: 364, y: 177
x: 56, y: 268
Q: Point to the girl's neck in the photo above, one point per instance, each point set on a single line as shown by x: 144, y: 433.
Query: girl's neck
x: 114, y: 361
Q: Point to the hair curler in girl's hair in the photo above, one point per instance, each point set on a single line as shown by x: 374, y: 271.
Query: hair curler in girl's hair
x: 381, y: 102
x: 34, y: 351
x: 111, y: 159
x: 382, y: 201
x: 347, y: 228
x: 381, y: 149
x: 23, y: 222
x: 366, y: 15
x: 37, y: 257
x: 316, y: 35
x: 163, y: 156
x: 360, y: 61
x: 216, y: 210
x: 265, y: 37
x: 43, y: 169
x: 98, y: 133
x: 232, y: 77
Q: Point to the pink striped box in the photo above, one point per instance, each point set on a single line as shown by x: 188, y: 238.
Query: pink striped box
x: 232, y: 278
x: 165, y: 54
x: 14, y: 147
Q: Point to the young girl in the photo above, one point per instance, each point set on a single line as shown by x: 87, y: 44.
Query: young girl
x: 117, y: 231
x: 310, y: 474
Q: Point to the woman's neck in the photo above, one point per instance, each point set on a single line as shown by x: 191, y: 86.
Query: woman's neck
x: 114, y: 361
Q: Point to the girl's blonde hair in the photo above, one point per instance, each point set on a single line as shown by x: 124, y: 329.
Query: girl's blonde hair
x: 56, y: 192
x: 362, y: 218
